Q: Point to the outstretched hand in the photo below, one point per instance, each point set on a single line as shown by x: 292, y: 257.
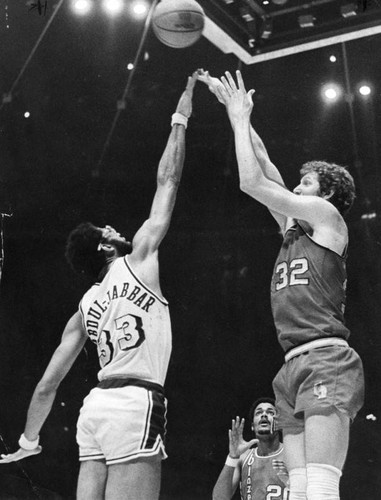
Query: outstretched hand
x: 212, y: 82
x: 19, y: 455
x: 184, y: 105
x: 237, y: 445
x: 238, y: 102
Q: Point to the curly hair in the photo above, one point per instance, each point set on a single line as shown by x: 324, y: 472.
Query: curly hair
x: 333, y: 179
x: 82, y: 250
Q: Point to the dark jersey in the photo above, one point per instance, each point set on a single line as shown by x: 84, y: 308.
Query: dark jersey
x: 259, y: 480
x: 307, y: 291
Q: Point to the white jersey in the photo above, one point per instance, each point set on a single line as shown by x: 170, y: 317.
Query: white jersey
x: 130, y: 325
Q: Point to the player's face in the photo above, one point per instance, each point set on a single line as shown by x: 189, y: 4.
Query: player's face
x: 112, y: 237
x: 263, y: 421
x: 309, y: 185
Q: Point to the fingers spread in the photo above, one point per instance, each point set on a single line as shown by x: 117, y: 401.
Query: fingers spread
x: 226, y: 85
x: 221, y: 93
x: 231, y: 81
x: 241, y: 85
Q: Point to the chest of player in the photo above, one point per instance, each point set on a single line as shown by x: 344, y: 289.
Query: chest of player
x: 302, y: 262
x: 259, y: 480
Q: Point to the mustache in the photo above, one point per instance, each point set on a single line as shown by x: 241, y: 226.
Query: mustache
x: 264, y: 419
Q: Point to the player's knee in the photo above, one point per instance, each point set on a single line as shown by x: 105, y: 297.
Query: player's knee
x: 298, y: 484
x: 323, y: 482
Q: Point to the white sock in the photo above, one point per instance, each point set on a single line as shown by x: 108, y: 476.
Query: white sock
x: 323, y: 482
x: 298, y: 484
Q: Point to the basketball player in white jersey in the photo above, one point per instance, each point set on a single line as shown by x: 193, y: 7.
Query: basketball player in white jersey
x: 257, y: 465
x: 121, y: 426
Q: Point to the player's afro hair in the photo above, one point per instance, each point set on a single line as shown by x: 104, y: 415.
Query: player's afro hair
x: 82, y: 250
x: 333, y: 179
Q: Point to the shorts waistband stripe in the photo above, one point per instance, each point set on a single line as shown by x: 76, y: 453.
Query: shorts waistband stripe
x: 314, y: 344
x: 114, y: 383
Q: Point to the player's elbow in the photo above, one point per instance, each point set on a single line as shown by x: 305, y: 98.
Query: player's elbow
x: 215, y: 495
x: 219, y: 494
x: 247, y: 186
x: 46, y: 388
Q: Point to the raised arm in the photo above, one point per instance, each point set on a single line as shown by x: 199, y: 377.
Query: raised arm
x: 261, y: 156
x: 150, y: 235
x: 72, y: 342
x: 313, y: 209
x: 229, y: 478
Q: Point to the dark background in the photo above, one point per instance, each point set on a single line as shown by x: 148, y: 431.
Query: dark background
x: 217, y: 258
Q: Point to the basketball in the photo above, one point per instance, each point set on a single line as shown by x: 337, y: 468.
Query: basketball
x: 178, y: 23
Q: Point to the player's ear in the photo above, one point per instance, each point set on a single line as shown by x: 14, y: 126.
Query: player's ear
x: 329, y: 195
x: 108, y: 249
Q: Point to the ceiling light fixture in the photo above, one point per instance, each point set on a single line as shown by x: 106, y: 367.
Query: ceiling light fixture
x: 113, y: 7
x: 306, y: 21
x: 81, y: 7
x: 267, y: 28
x: 348, y: 10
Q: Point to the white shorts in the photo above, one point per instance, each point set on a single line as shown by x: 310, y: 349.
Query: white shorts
x: 122, y: 424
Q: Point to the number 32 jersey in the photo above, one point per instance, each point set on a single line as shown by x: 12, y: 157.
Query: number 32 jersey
x: 130, y: 325
x: 307, y: 291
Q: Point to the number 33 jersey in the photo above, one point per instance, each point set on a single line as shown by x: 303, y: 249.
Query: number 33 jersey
x: 130, y: 324
x: 307, y: 291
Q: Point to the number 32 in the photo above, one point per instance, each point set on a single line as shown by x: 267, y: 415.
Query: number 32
x: 291, y: 274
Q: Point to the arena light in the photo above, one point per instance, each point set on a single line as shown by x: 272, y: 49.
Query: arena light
x: 365, y: 90
x: 139, y: 8
x: 332, y: 58
x: 371, y: 417
x: 369, y: 216
x: 112, y: 7
x: 331, y: 92
x: 81, y: 7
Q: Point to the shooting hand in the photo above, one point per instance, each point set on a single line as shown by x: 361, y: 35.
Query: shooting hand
x: 238, y: 102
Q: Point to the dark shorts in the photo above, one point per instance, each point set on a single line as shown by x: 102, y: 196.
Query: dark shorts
x: 322, y: 378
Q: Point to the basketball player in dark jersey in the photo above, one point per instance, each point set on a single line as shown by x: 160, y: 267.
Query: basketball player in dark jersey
x: 320, y: 388
x: 257, y: 465
x: 120, y: 430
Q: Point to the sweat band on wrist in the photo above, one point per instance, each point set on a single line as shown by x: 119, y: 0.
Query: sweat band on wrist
x: 179, y: 119
x: 231, y: 462
x: 26, y: 444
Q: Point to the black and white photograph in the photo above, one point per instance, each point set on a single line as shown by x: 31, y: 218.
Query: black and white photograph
x: 190, y: 249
